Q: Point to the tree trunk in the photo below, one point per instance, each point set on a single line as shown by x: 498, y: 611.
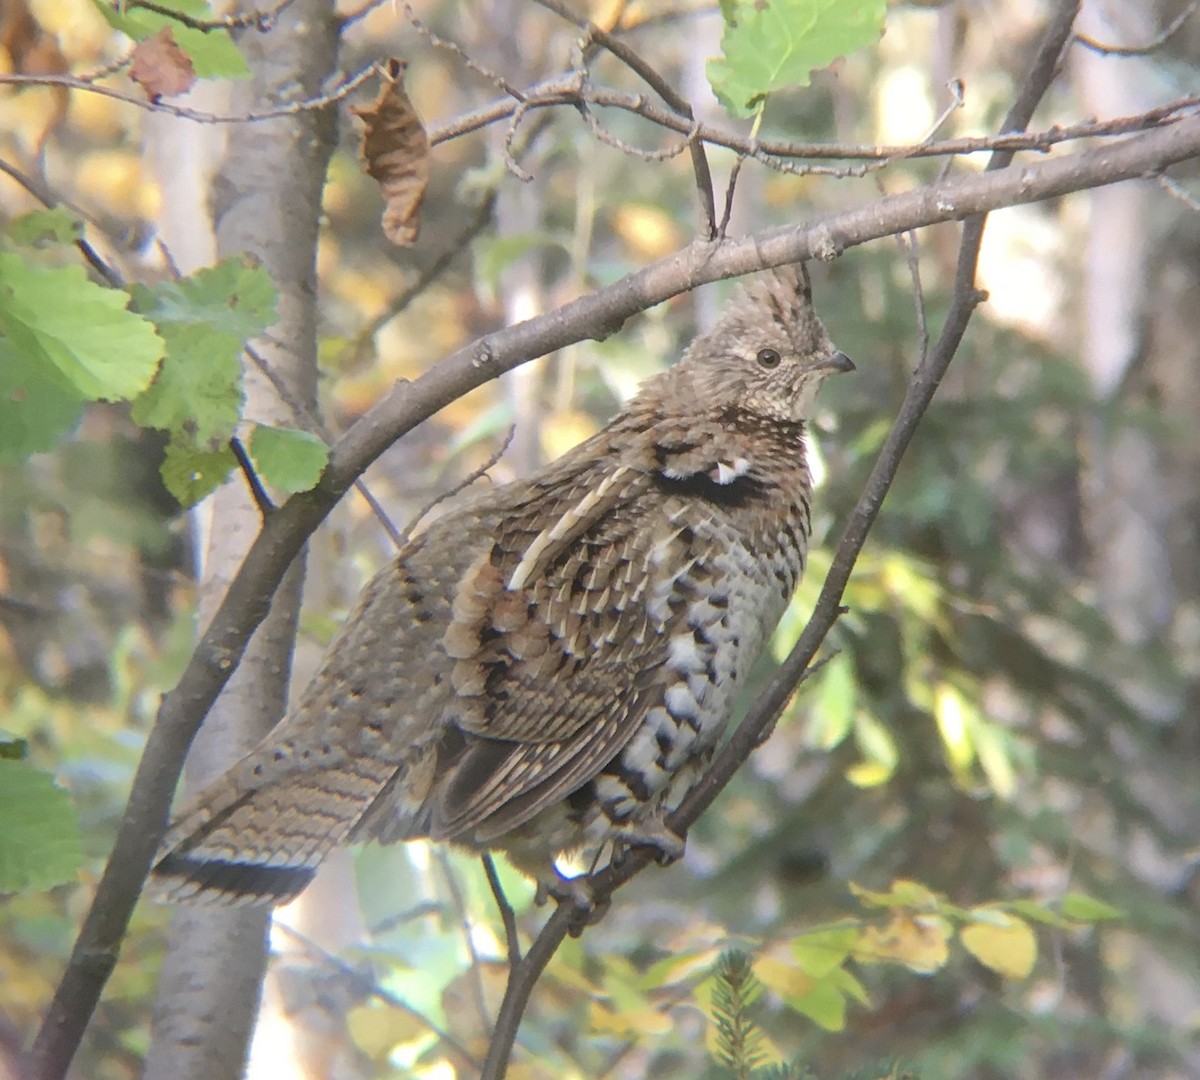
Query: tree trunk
x: 265, y: 202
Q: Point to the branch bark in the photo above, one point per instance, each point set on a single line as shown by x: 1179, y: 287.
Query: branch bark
x: 594, y: 316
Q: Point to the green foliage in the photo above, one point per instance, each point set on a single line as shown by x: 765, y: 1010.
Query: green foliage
x: 38, y: 227
x: 197, y: 395
x: 212, y: 52
x: 40, y: 844
x: 75, y: 331
x: 772, y: 44
x: 287, y: 458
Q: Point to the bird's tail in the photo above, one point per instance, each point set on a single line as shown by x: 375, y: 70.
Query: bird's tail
x: 257, y: 834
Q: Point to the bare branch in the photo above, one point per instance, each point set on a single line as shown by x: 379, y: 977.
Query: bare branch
x: 1155, y: 43
x: 368, y: 986
x: 660, y: 86
x: 507, y: 916
x: 257, y: 20
x: 342, y: 89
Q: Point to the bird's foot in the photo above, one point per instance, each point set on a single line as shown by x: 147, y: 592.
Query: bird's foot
x: 668, y: 845
x: 575, y: 892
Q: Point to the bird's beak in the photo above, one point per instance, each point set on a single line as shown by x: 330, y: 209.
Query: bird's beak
x: 837, y: 361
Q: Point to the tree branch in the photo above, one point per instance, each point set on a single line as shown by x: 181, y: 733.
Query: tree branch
x: 408, y: 404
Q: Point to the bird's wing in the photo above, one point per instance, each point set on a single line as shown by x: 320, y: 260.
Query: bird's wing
x: 561, y: 636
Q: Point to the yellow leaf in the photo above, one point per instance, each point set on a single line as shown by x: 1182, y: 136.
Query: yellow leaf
x: 787, y: 980
x: 376, y: 1030
x: 919, y: 942
x: 1008, y: 950
x: 649, y: 232
x: 903, y: 893
x: 954, y: 721
x: 627, y: 1022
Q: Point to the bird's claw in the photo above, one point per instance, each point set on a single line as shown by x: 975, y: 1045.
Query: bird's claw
x: 668, y: 845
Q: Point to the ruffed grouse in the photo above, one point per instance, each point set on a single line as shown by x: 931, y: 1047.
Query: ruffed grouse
x: 548, y: 666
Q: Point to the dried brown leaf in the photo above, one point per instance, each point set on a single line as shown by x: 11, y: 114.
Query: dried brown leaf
x: 161, y: 67
x: 395, y: 153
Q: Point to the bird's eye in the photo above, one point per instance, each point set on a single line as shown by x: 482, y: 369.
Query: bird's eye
x: 769, y: 358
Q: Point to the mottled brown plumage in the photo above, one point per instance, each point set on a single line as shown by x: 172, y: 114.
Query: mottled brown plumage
x: 549, y: 665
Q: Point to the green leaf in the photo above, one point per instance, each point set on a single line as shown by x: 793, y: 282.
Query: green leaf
x: 13, y: 747
x: 40, y: 844
x: 1036, y: 912
x: 38, y: 227
x: 198, y: 391
x: 819, y: 953
x: 824, y: 1004
x: 287, y: 458
x: 37, y: 406
x: 205, y: 320
x: 833, y: 715
x: 191, y: 473
x: 236, y: 296
x: 1083, y: 908
x: 57, y: 316
x: 213, y: 53
x: 770, y: 44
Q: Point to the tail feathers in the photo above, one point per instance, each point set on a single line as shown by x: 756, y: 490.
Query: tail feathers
x: 253, y: 838
x: 180, y: 879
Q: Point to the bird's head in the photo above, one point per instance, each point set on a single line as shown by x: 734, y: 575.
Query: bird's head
x: 768, y: 353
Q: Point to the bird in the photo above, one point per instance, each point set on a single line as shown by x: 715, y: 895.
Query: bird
x: 549, y: 665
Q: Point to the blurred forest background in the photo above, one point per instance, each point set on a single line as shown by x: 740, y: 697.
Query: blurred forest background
x: 1012, y: 714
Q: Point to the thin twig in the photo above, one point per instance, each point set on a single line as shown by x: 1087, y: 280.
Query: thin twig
x: 259, y: 493
x: 1155, y: 43
x: 50, y: 200
x: 256, y: 20
x: 1177, y: 190
x: 71, y: 82
x: 909, y: 246
x: 465, y: 482
x: 507, y: 915
x: 564, y: 91
x: 480, y: 221
x: 730, y: 188
x: 464, y: 922
x: 461, y: 54
x: 368, y: 986
x: 681, y: 106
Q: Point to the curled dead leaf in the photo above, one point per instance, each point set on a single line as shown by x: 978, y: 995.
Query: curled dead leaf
x: 161, y: 67
x: 395, y: 153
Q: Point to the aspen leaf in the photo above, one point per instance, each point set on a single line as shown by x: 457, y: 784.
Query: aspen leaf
x: 919, y: 942
x: 1084, y: 908
x: 40, y: 845
x: 1008, y: 950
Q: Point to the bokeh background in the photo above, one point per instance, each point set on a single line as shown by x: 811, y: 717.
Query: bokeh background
x: 1013, y: 709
